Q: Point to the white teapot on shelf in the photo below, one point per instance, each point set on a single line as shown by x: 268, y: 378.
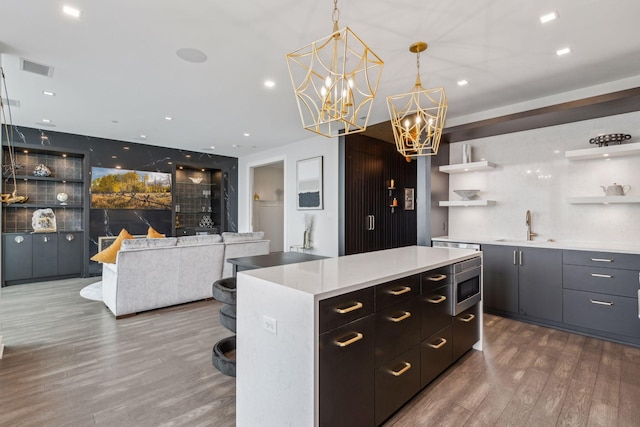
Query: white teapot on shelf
x: 616, y: 190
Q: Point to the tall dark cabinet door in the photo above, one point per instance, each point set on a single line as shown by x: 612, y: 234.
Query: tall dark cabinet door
x: 370, y: 224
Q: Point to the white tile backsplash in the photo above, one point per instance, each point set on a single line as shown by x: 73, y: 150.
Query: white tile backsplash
x: 533, y: 174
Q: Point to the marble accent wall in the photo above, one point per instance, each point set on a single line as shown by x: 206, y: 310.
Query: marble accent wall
x: 533, y: 174
x: 111, y: 153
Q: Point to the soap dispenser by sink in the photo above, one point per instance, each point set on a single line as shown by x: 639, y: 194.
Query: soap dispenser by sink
x: 616, y: 190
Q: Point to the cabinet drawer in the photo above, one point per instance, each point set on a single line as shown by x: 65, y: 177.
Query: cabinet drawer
x: 342, y: 309
x: 397, y: 291
x: 346, y: 375
x: 397, y: 329
x: 608, y: 313
x: 602, y: 280
x: 601, y: 259
x: 436, y: 278
x: 396, y: 382
x: 435, y: 355
x: 466, y: 331
x: 436, y: 310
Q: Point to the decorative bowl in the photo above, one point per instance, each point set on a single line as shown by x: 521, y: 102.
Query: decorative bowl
x: 466, y: 194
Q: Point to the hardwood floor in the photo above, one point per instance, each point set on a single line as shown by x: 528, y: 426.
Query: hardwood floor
x: 68, y: 362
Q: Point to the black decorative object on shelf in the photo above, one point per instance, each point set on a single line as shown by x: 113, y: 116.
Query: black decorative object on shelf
x: 612, y: 138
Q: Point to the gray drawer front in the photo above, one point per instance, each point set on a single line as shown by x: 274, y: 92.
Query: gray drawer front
x: 588, y: 309
x: 602, y: 259
x: 396, y: 382
x: 342, y: 309
x: 397, y: 291
x: 602, y: 280
x: 435, y: 355
x: 397, y: 329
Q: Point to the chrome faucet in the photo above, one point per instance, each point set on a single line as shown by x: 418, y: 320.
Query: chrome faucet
x: 530, y: 234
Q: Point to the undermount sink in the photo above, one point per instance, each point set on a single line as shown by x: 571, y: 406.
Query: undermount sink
x: 524, y: 242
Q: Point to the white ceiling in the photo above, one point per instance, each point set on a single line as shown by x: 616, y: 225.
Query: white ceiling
x: 118, y: 61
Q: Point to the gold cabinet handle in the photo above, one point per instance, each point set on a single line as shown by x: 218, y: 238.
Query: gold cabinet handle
x: 403, y: 316
x: 468, y: 319
x: 407, y: 366
x: 440, y: 344
x: 595, y: 301
x: 345, y: 310
x: 350, y: 341
x: 441, y: 298
x: 400, y: 291
x: 437, y: 278
x: 601, y: 260
x: 604, y: 276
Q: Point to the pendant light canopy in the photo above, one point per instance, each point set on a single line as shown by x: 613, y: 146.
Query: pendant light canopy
x: 335, y: 80
x: 418, y: 117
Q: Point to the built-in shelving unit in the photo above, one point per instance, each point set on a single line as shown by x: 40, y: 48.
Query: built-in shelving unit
x: 454, y: 203
x: 604, y: 152
x: 468, y: 167
x: 590, y: 200
x: 198, y: 200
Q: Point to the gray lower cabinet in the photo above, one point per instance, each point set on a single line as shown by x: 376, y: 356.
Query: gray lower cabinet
x: 435, y: 355
x: 17, y: 261
x: 523, y: 280
x: 27, y: 256
x: 540, y: 283
x: 45, y: 255
x: 466, y: 331
x: 500, y: 278
x: 396, y: 382
x: 601, y: 293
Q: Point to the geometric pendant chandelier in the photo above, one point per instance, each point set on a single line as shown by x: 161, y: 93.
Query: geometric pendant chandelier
x: 418, y: 117
x: 335, y: 80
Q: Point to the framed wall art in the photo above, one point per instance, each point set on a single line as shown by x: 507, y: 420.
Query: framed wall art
x: 309, y: 183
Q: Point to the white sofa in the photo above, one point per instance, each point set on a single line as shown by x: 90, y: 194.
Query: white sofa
x: 155, y: 273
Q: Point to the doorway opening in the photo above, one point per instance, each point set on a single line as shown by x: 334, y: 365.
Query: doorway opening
x: 267, y: 208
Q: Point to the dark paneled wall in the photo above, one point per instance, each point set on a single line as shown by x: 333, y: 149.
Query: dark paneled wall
x: 369, y: 166
x: 111, y: 153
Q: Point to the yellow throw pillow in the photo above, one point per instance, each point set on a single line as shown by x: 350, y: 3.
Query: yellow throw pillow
x: 153, y: 234
x: 109, y: 254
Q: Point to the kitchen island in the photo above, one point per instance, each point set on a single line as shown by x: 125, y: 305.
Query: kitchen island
x: 294, y: 321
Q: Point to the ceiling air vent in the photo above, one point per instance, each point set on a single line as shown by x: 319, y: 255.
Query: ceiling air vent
x: 11, y: 102
x: 34, y: 67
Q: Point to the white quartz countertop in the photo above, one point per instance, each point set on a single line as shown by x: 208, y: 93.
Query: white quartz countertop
x: 334, y: 276
x: 570, y: 245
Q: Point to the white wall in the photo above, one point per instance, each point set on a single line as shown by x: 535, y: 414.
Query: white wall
x: 533, y: 174
x: 325, y: 230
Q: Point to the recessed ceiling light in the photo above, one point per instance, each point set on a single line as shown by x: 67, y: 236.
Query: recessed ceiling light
x: 247, y: 134
x: 462, y: 82
x: 213, y: 147
x: 46, y: 120
x: 118, y: 167
x: 114, y: 157
x: 25, y: 151
x: 187, y: 155
x: 269, y: 83
x: 167, y: 118
x: 126, y: 148
x: 563, y: 51
x: 48, y: 93
x: 169, y: 163
x: 548, y: 17
x: 605, y: 155
x: 143, y: 136
x: 64, y: 155
x: 71, y: 11
x: 235, y: 146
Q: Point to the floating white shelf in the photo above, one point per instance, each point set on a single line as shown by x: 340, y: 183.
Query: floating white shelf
x: 467, y: 203
x: 603, y: 200
x: 467, y: 167
x: 604, y: 152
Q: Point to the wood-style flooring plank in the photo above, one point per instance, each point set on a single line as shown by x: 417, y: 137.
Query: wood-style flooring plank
x: 68, y: 362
